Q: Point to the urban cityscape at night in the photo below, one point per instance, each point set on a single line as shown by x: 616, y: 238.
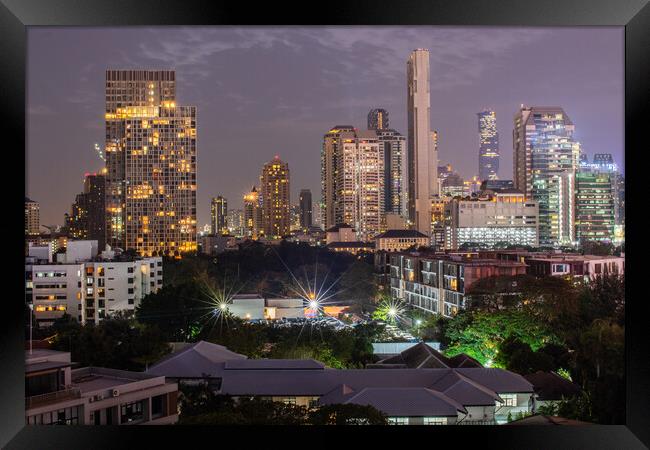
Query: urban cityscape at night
x: 325, y: 226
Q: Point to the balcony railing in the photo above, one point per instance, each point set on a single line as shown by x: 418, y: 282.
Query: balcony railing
x: 52, y: 397
x: 477, y: 422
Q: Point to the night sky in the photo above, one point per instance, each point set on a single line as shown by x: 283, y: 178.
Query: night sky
x: 262, y: 91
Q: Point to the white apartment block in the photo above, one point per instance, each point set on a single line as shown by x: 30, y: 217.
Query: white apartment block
x: 494, y: 217
x: 89, y: 290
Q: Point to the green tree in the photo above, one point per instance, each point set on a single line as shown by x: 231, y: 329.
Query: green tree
x: 478, y: 334
x: 358, y: 284
x: 177, y: 310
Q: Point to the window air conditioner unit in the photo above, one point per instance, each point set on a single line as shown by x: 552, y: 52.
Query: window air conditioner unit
x: 99, y: 397
x: 116, y: 392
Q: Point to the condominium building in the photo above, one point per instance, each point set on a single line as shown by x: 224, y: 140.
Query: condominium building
x: 353, y: 180
x: 493, y: 218
x: 378, y: 119
x: 218, y: 215
x: 87, y: 219
x: 276, y: 199
x: 32, y: 217
x: 89, y: 289
x: 235, y: 221
x: 594, y: 207
x: 151, y: 164
x: 395, y: 171
x: 253, y: 215
x: 439, y: 283
x: 488, y: 154
x: 56, y: 394
x: 306, y: 218
x: 422, y: 149
x: 603, y: 163
x: 546, y: 157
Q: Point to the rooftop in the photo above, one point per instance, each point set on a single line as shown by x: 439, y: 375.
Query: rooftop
x: 321, y: 382
x: 199, y: 360
x: 551, y: 386
x: 336, y: 228
x: 273, y: 364
x: 352, y: 244
x: 89, y: 379
x: 422, y: 355
x: 401, y: 234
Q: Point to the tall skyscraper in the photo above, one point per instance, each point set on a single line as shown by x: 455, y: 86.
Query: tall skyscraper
x: 488, y: 154
x: 395, y: 171
x: 275, y: 198
x: 306, y: 218
x: 331, y: 156
x: 151, y: 164
x: 595, y: 208
x: 32, y: 217
x: 253, y: 214
x: 218, y: 215
x: 87, y: 219
x: 353, y: 180
x: 546, y: 157
x: 378, y: 119
x: 422, y: 153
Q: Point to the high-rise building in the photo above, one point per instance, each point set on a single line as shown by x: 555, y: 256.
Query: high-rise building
x: 32, y: 217
x: 546, y: 157
x: 218, y: 215
x: 151, y: 164
x: 422, y: 151
x: 276, y: 202
x: 488, y: 154
x: 331, y: 156
x: 235, y: 222
x: 87, y: 218
x: 594, y: 205
x: 306, y: 219
x: 395, y: 171
x: 378, y: 119
x: 253, y: 214
x: 604, y: 163
x: 353, y: 180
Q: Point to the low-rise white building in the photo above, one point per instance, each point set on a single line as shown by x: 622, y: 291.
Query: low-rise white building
x: 256, y: 307
x: 494, y: 217
x: 86, y: 287
x: 400, y: 240
x: 56, y: 394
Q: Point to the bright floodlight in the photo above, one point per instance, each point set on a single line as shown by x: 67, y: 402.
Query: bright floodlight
x: 392, y: 311
x: 223, y: 306
x: 418, y: 322
x: 313, y: 304
x: 312, y: 296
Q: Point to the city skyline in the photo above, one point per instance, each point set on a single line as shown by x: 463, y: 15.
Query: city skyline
x: 263, y: 121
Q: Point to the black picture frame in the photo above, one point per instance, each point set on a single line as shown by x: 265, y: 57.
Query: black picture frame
x: 16, y: 15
